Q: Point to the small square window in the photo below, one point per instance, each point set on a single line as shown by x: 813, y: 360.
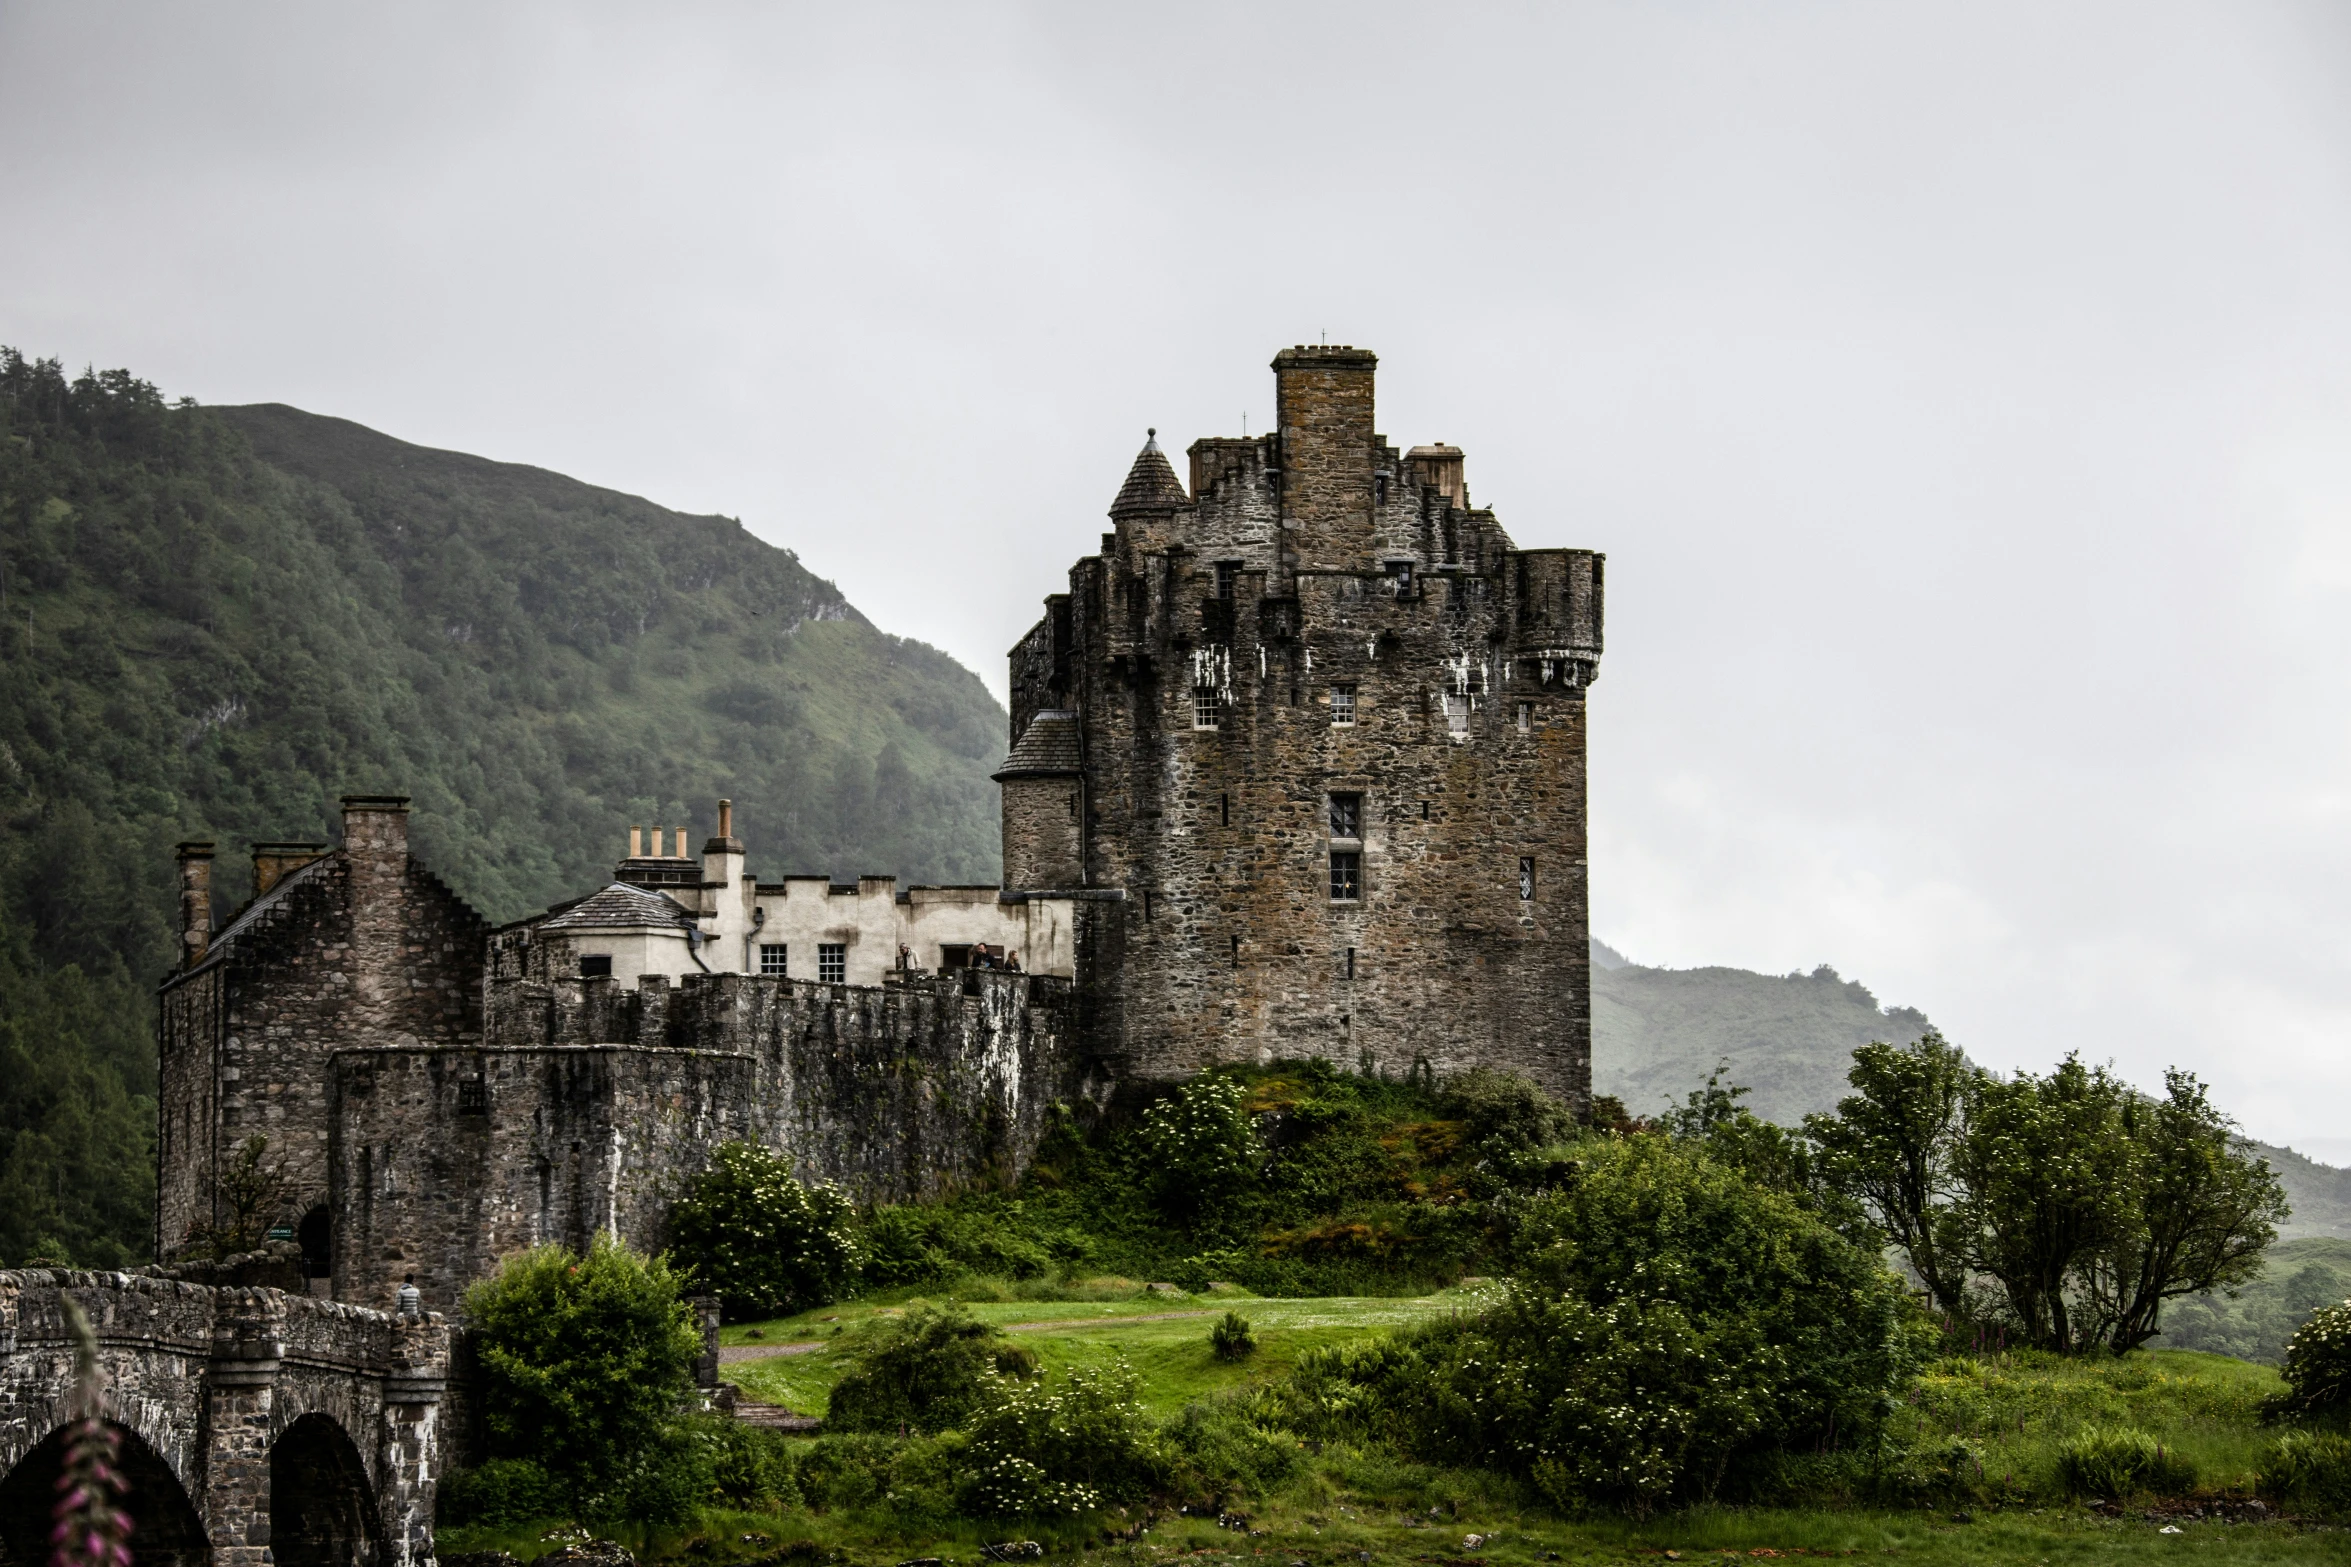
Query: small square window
x: 1228, y: 577
x: 473, y: 1096
x: 832, y: 962
x: 1346, y: 815
x: 598, y: 967
x: 1346, y: 876
x: 1342, y: 706
x: 1400, y: 572
x: 1208, y: 708
x: 772, y: 955
x: 1456, y: 717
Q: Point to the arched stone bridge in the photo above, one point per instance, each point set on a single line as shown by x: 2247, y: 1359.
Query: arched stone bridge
x: 257, y: 1427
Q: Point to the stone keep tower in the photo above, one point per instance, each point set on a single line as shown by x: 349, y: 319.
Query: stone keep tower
x: 1319, y: 724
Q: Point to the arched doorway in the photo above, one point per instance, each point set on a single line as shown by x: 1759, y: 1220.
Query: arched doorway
x: 322, y: 1512
x: 165, y: 1531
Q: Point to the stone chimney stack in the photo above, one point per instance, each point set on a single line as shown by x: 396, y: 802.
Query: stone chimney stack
x: 727, y: 898
x: 195, y: 902
x: 375, y: 850
x: 1324, y: 405
x: 1438, y: 468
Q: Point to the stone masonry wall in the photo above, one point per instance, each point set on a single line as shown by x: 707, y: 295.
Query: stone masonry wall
x: 1467, y: 758
x: 365, y: 947
x: 595, y: 1106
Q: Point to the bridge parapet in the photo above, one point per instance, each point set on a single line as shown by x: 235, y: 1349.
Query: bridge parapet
x: 287, y: 1430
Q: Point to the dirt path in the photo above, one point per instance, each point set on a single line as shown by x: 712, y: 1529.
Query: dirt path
x: 733, y: 1353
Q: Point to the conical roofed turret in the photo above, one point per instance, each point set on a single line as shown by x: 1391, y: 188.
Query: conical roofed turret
x: 1151, y: 484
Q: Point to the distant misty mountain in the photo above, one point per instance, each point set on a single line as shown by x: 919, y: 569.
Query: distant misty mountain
x: 1790, y: 1038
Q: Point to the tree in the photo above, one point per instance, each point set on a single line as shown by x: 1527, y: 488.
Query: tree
x: 584, y: 1361
x: 1890, y: 1147
x: 249, y: 1196
x: 923, y: 1371
x: 2052, y: 1180
x: 2206, y: 1213
x: 767, y: 1245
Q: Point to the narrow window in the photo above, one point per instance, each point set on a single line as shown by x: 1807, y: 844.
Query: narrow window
x: 1424, y: 810
x: 1342, y: 706
x: 1236, y: 951
x: 1526, y: 717
x: 1228, y: 576
x: 832, y: 962
x: 1526, y: 878
x: 1350, y: 962
x: 1456, y: 716
x: 1207, y: 707
x: 1346, y: 815
x: 1073, y: 807
x: 1346, y: 876
x: 771, y: 959
x: 473, y: 1096
x: 1400, y: 572
x: 599, y: 967
x: 1224, y: 803
x: 1146, y: 905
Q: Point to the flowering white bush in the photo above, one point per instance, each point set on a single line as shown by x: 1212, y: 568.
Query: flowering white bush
x: 2318, y: 1361
x: 1042, y: 1448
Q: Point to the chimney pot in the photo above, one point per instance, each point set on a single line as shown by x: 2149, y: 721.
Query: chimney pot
x: 681, y: 854
x: 636, y: 843
x: 726, y: 818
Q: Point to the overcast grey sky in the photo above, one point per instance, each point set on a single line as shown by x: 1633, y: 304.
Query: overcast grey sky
x: 1961, y: 392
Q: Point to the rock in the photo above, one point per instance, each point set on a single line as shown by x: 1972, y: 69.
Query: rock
x: 1471, y: 1542
x: 1013, y: 1551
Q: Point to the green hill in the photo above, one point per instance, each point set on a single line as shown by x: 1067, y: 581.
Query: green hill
x: 2297, y: 1277
x: 214, y: 621
x: 1657, y: 1032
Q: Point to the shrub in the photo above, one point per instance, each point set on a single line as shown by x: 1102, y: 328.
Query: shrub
x: 752, y: 1468
x: 1216, y: 1454
x: 2318, y: 1362
x: 1507, y: 1114
x: 765, y: 1244
x: 1037, y: 1449
x: 910, y: 1244
x: 923, y: 1371
x: 2310, y: 1467
x: 583, y: 1362
x: 1230, y: 1339
x: 1669, y: 1317
x: 2117, y: 1462
x: 1202, y: 1145
x: 502, y: 1491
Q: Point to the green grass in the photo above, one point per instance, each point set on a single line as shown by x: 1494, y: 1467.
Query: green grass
x: 1162, y: 1334
x: 2018, y: 1409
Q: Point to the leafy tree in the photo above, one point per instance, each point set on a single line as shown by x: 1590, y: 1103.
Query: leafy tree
x: 767, y: 1245
x: 2052, y: 1181
x: 1890, y: 1147
x: 584, y: 1361
x: 2206, y: 1212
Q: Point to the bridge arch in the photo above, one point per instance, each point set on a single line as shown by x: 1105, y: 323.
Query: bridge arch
x: 322, y: 1506
x: 166, y: 1530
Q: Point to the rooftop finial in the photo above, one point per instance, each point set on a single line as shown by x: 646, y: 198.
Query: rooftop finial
x: 1151, y: 439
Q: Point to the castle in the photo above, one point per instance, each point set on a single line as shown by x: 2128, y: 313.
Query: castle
x: 1296, y: 769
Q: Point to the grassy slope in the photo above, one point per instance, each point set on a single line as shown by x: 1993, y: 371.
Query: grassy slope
x: 1346, y: 1507
x: 2298, y: 1276
x: 1162, y: 1334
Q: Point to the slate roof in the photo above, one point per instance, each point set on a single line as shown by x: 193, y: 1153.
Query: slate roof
x: 1151, y: 484
x: 1048, y: 748
x: 621, y: 907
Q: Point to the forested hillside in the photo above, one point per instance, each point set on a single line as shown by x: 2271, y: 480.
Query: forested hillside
x: 215, y: 621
